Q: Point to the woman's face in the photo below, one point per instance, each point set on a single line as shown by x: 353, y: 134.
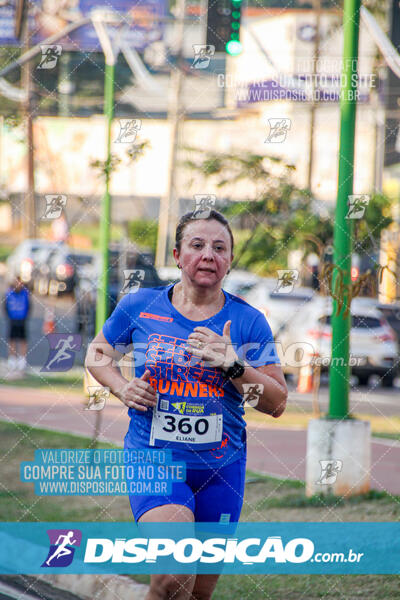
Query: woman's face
x: 205, y: 254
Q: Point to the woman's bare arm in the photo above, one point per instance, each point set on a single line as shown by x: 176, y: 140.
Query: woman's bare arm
x: 272, y: 399
x: 101, y: 361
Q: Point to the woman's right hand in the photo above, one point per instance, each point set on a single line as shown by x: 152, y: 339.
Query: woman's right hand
x: 138, y: 393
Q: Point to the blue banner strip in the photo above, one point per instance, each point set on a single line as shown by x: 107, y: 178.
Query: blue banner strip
x: 248, y: 548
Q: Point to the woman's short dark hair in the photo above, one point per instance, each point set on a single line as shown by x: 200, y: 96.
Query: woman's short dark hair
x: 188, y: 217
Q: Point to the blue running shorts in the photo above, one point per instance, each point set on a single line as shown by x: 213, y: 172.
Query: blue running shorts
x: 213, y: 495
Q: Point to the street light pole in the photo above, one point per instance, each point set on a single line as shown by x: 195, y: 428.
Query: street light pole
x: 102, y: 291
x: 340, y: 372
x: 29, y: 210
x: 110, y: 50
x: 169, y: 202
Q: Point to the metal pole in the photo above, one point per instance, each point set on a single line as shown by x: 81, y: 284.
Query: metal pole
x: 102, y: 291
x: 339, y: 371
x: 29, y: 204
x: 379, y: 109
x: 169, y: 203
x: 317, y: 9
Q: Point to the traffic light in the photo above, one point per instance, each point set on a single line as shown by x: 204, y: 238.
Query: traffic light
x: 223, y: 25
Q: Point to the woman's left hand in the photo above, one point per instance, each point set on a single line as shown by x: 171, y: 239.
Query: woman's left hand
x: 211, y: 347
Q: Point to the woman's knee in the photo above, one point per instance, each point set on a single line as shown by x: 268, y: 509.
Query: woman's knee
x: 176, y: 587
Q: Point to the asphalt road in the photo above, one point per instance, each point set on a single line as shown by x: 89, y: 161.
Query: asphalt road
x: 271, y: 450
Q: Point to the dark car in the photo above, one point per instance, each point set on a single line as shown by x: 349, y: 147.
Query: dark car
x: 64, y: 267
x: 122, y: 262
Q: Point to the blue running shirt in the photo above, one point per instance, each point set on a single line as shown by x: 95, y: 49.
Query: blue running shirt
x: 199, y: 413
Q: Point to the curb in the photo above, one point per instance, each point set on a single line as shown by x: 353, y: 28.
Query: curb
x: 104, y: 587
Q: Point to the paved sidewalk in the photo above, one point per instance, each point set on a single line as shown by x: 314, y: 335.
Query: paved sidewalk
x: 278, y: 452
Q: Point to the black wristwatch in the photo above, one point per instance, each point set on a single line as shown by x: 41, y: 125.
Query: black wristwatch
x: 236, y: 369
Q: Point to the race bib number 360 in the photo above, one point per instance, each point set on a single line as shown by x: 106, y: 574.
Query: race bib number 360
x: 201, y: 431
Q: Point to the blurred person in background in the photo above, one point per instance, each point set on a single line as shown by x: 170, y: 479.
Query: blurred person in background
x: 17, y: 304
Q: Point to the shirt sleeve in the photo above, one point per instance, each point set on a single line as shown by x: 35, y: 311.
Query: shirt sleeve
x: 120, y: 324
x: 259, y: 349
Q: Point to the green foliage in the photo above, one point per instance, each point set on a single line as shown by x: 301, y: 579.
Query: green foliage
x: 5, y: 252
x: 278, y: 216
x: 106, y: 167
x: 144, y: 233
x: 271, y: 214
x: 368, y: 229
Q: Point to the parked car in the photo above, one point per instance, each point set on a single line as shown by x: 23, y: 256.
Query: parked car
x: 64, y: 268
x: 240, y: 282
x: 373, y: 348
x: 391, y: 313
x: 169, y: 274
x: 120, y: 260
x: 41, y: 268
x: 22, y: 261
x: 279, y: 308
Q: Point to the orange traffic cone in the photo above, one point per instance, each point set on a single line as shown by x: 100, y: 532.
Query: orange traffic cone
x: 49, y: 323
x: 305, y: 381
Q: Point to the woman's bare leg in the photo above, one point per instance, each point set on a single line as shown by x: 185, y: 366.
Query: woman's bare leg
x: 169, y: 587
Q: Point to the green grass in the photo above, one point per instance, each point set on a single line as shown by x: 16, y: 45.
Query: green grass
x: 303, y: 587
x: 266, y: 499
x: 59, y: 381
x: 389, y: 436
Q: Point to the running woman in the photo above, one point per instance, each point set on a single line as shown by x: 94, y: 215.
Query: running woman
x: 203, y: 348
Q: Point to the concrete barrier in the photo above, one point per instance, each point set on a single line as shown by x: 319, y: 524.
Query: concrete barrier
x: 338, y: 457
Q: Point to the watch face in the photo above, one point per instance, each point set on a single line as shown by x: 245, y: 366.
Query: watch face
x: 236, y: 370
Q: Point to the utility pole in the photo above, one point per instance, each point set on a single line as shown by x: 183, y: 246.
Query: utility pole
x: 317, y: 9
x: 29, y: 210
x: 169, y: 204
x: 340, y: 371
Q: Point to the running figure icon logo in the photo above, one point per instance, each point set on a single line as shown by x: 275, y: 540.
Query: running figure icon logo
x: 62, y: 547
x: 128, y: 129
x: 132, y: 280
x: 329, y: 471
x: 286, y: 280
x: 98, y: 395
x: 252, y: 393
x: 278, y: 129
x: 63, y: 347
x: 204, y: 203
x: 357, y: 205
x: 202, y: 55
x: 50, y: 56
x: 54, y: 205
